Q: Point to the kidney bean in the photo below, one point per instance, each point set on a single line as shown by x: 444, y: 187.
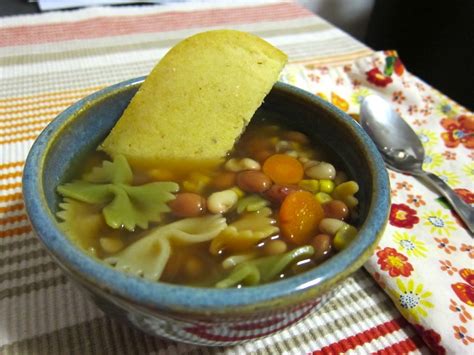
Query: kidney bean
x: 188, y: 204
x: 277, y: 193
x: 253, y: 181
x: 224, y: 180
x: 336, y: 209
x: 322, y: 244
x: 262, y: 155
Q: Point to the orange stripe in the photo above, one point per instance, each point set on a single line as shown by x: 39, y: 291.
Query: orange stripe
x: 11, y: 175
x: 36, y: 106
x: 19, y: 139
x: 45, y: 97
x: 10, y: 186
x: 15, y: 231
x: 51, y: 115
x: 11, y: 197
x: 13, y: 219
x: 12, y: 165
x: 12, y: 208
x: 22, y: 131
x: 18, y: 125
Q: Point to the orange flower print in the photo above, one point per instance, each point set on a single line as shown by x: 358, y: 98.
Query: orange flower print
x: 464, y: 315
x: 426, y: 110
x: 466, y: 195
x: 376, y: 77
x: 395, y: 263
x: 416, y: 200
x: 469, y: 249
x: 347, y: 68
x: 461, y: 334
x: 419, y: 122
x: 449, y: 155
x: 460, y: 130
x: 398, y: 97
x: 394, y: 192
x: 465, y: 291
x: 313, y: 77
x: 448, y: 267
x: 428, y: 99
x: 404, y: 185
x: 412, y: 109
x: 443, y: 243
x: 403, y: 216
x: 420, y: 86
x: 339, y: 81
x: 356, y: 84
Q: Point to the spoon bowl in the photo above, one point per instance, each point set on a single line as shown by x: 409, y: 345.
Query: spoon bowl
x: 402, y: 150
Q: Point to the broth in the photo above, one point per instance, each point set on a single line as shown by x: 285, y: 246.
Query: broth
x: 269, y: 164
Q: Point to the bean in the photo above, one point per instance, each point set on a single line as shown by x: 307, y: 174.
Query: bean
x: 262, y: 155
x: 111, y: 245
x: 224, y: 180
x: 323, y: 197
x: 322, y: 246
x: 296, y: 136
x: 320, y: 171
x: 222, y: 201
x: 274, y: 247
x: 277, y: 193
x: 282, y: 146
x: 237, y: 165
x: 188, y: 204
x: 253, y: 181
x: 336, y: 209
x: 330, y: 225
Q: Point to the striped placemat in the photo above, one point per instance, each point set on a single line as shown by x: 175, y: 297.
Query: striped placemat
x: 49, y: 61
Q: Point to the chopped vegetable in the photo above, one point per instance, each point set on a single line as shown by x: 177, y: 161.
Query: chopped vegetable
x: 283, y: 169
x: 300, y: 214
x: 125, y: 206
x: 264, y: 269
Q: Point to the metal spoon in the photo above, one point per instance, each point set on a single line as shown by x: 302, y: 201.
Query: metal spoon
x: 403, y: 151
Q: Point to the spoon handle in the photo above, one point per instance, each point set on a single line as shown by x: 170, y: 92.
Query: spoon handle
x: 465, y: 211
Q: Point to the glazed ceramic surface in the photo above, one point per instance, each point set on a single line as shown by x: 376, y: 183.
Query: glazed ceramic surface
x: 203, y: 315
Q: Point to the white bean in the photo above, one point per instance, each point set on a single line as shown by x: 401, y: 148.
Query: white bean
x: 320, y: 171
x: 111, y: 245
x: 222, y: 201
x: 330, y: 225
x: 237, y: 165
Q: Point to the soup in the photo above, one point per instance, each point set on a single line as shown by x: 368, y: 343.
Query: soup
x: 278, y: 206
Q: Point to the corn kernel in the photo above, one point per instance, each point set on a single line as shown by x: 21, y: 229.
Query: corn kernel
x: 326, y: 185
x: 344, y: 236
x: 323, y: 197
x: 196, y: 182
x: 309, y: 185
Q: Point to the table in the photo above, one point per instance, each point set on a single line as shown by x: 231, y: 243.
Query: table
x: 49, y: 61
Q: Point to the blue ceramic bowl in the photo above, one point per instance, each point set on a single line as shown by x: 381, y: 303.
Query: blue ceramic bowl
x: 200, y: 315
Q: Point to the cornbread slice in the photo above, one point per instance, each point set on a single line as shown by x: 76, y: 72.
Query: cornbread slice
x: 197, y: 100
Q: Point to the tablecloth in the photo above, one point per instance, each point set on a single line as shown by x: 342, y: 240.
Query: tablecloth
x: 49, y: 61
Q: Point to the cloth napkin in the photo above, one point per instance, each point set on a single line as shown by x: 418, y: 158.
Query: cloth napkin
x: 425, y: 260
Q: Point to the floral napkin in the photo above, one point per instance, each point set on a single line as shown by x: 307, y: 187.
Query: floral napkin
x: 425, y: 260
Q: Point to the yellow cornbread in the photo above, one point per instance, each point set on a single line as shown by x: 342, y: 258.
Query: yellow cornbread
x: 197, y: 100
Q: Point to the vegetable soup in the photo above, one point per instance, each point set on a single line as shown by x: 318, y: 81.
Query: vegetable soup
x: 277, y: 206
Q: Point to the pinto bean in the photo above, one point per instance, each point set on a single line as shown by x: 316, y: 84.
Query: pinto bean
x: 188, y: 204
x: 322, y: 244
x: 277, y: 193
x: 336, y: 209
x: 224, y: 180
x: 253, y: 181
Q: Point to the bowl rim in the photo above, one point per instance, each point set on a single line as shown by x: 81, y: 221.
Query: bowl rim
x: 158, y: 295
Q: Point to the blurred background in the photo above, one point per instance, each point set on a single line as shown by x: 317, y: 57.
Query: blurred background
x: 435, y: 39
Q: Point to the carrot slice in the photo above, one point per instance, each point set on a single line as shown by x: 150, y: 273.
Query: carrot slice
x: 300, y: 214
x: 283, y: 169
